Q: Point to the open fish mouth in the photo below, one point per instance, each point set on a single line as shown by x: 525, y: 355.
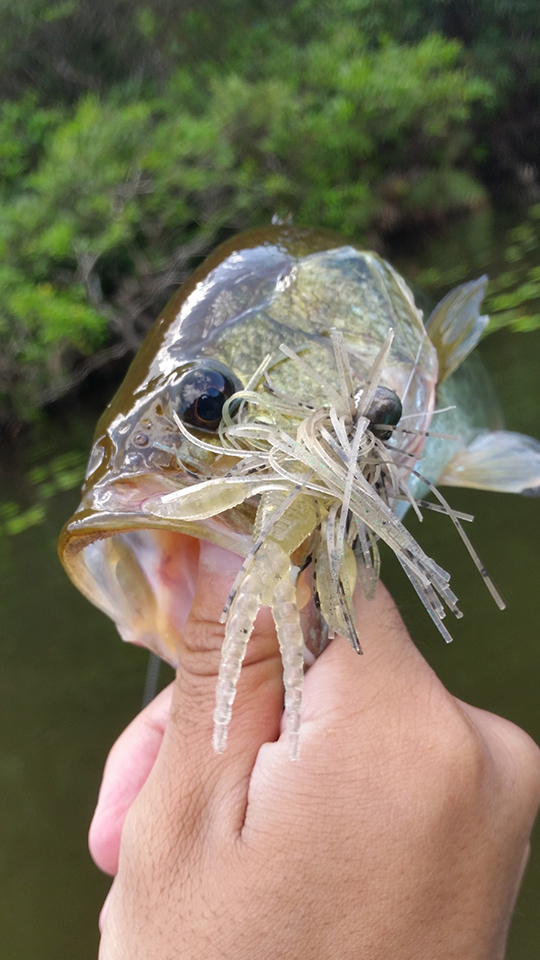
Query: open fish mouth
x: 140, y: 570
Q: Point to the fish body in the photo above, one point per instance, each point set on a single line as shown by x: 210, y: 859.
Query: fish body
x: 285, y: 405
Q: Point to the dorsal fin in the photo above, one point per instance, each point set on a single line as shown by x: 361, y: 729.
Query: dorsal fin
x: 455, y: 326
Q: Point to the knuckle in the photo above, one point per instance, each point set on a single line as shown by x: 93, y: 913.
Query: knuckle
x: 201, y: 647
x: 450, y: 753
x: 480, y: 773
x: 519, y: 758
x: 203, y: 633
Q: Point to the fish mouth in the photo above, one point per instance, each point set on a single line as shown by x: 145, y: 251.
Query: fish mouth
x: 141, y: 570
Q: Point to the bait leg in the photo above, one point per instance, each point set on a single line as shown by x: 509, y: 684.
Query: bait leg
x: 270, y: 566
x: 237, y: 633
x: 290, y: 637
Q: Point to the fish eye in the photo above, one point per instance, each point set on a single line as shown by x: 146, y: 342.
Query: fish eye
x: 385, y: 410
x: 202, y: 393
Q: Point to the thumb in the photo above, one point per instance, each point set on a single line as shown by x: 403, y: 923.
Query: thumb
x: 187, y: 745
x: 127, y: 768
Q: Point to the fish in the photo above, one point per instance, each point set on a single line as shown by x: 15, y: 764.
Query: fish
x: 289, y: 404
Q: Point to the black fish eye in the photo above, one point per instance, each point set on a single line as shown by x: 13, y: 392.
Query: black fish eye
x: 385, y: 410
x: 202, y: 393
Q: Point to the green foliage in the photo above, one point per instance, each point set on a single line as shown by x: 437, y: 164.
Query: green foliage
x: 24, y: 129
x: 513, y: 295
x: 63, y: 472
x: 127, y: 191
x: 133, y: 135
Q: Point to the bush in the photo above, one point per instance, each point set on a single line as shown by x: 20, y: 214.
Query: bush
x: 106, y: 206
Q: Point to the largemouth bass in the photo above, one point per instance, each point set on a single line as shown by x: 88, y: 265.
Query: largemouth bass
x: 290, y: 405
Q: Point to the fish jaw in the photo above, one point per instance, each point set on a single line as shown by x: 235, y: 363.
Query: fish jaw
x: 138, y: 568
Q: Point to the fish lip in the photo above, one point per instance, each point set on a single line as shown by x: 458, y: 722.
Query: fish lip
x: 88, y: 525
x: 109, y: 508
x: 116, y: 521
x: 123, y: 493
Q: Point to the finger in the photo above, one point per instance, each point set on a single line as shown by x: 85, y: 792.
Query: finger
x: 187, y: 754
x: 126, y: 770
x: 342, y: 683
x: 384, y: 694
x: 392, y: 680
x: 389, y: 703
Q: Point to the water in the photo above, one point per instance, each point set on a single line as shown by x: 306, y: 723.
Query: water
x: 68, y: 686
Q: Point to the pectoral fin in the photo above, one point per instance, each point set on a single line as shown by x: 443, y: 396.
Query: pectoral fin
x: 501, y: 460
x: 455, y: 326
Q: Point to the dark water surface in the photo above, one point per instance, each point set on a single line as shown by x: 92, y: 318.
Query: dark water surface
x: 68, y: 686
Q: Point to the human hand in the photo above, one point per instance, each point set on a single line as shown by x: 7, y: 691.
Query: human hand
x: 402, y: 832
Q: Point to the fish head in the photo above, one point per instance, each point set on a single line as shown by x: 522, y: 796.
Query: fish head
x: 163, y: 431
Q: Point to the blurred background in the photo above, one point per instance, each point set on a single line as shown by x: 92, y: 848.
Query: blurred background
x: 134, y: 136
